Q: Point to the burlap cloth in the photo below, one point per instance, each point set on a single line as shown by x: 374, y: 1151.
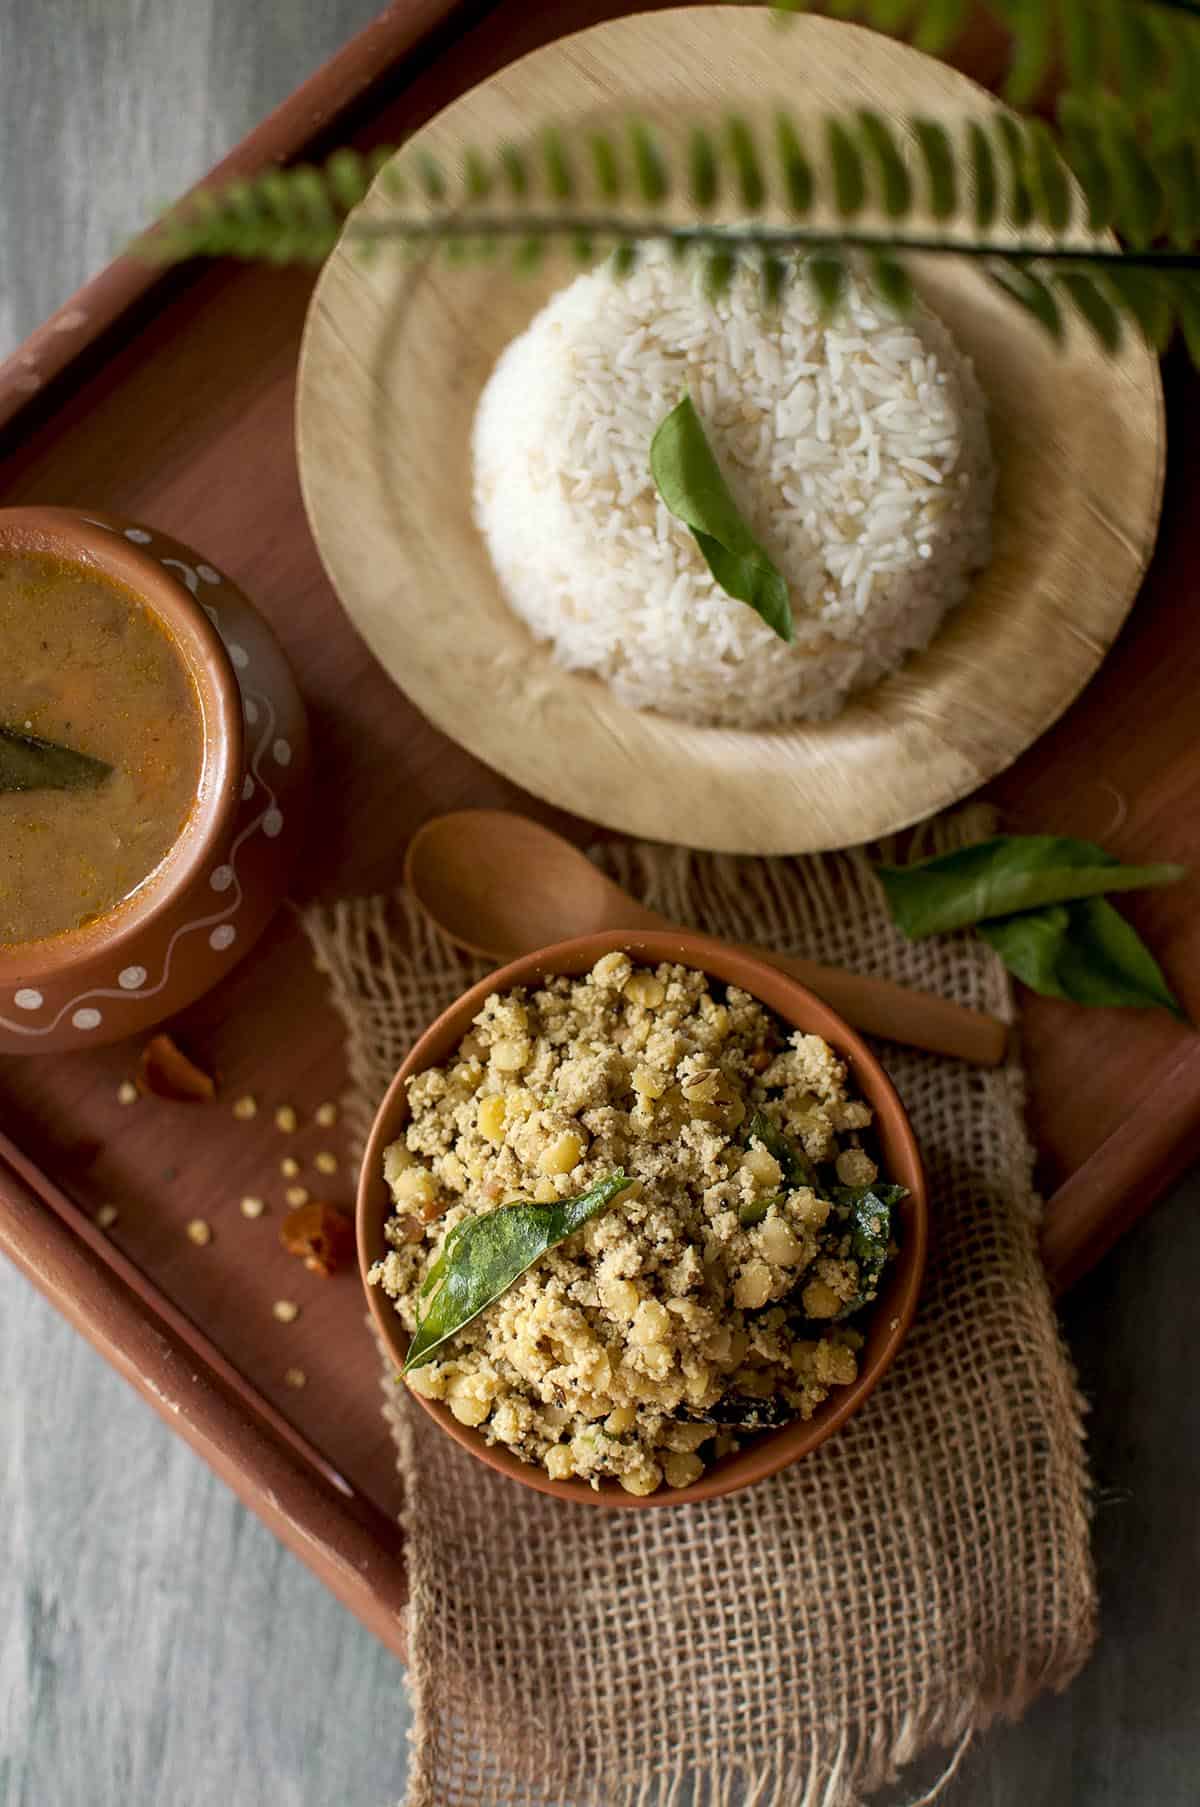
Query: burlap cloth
x: 924, y: 1571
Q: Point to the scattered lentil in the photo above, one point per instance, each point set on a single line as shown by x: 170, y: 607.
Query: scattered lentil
x: 252, y: 1207
x: 107, y: 1216
x: 295, y: 1378
x: 326, y: 1162
x: 289, y: 1167
x: 326, y: 1115
x: 199, y: 1232
x: 296, y: 1195
x: 286, y: 1310
x: 286, y: 1119
x: 245, y: 1107
x: 127, y: 1092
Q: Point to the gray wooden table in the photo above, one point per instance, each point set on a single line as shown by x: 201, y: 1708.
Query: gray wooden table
x: 156, y: 1644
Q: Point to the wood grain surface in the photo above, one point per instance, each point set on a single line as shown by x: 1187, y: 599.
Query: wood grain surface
x: 391, y: 373
x: 157, y: 1645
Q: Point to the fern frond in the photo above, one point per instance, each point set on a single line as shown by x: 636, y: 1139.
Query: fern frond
x: 477, y: 176
x: 1093, y: 307
x: 1180, y: 169
x: 1188, y: 312
x: 827, y: 274
x: 704, y: 184
x: 1090, y: 163
x: 797, y: 171
x: 348, y: 177
x: 649, y: 169
x: 957, y: 175
x: 892, y: 282
x: 560, y: 178
x: 743, y: 151
x: 939, y: 22
x: 720, y: 267
x: 1048, y: 177
x: 606, y: 166
x: 1146, y: 300
x: 1026, y: 287
x: 1082, y: 47
x: 515, y: 170
x: 1138, y: 200
x: 895, y: 184
x: 1032, y: 24
x: 1012, y: 145
x: 849, y: 175
x: 820, y: 192
x: 774, y: 273
x: 984, y: 179
x: 933, y: 142
x: 1146, y: 53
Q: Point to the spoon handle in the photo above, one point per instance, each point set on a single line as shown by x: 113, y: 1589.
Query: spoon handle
x: 919, y: 1019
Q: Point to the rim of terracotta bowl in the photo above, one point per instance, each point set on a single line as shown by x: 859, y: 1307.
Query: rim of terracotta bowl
x: 768, y: 1452
x: 61, y: 533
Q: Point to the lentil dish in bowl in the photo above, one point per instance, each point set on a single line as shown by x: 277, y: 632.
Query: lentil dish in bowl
x: 642, y: 1219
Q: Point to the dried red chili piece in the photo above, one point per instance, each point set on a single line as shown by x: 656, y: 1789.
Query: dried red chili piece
x: 166, y: 1071
x: 320, y: 1234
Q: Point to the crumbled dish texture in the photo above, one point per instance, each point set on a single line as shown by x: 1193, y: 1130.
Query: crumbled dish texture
x: 712, y: 1297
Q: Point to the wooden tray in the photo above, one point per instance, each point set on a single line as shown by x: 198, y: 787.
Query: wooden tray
x: 169, y: 398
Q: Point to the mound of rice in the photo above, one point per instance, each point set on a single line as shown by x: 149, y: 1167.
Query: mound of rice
x: 856, y: 449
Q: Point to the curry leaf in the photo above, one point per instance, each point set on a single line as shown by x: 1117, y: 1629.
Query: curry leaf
x: 869, y: 1210
x: 29, y: 763
x: 794, y: 1164
x: 690, y: 482
x: 1084, y: 951
x: 740, y: 1411
x: 483, y: 1256
x: 1004, y: 875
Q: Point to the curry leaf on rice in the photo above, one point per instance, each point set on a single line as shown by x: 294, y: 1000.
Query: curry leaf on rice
x: 690, y: 482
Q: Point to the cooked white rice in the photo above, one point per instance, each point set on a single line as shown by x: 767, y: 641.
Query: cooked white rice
x: 857, y: 450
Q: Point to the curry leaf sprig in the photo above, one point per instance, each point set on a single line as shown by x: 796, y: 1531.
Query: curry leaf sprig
x: 483, y: 1256
x: 1041, y: 902
x: 692, y: 485
x: 808, y: 196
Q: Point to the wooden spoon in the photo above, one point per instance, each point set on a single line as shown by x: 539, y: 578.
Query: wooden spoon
x: 500, y: 885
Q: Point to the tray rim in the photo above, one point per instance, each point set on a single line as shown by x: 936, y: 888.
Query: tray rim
x: 348, y: 1542
x: 353, y: 1546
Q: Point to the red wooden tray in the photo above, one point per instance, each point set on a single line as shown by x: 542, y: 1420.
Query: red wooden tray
x: 168, y: 398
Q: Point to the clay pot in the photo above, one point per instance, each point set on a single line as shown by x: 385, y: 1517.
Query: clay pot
x: 220, y: 884
x: 893, y: 1311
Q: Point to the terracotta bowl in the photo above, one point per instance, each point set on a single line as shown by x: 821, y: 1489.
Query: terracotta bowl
x: 221, y: 882
x: 894, y: 1309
